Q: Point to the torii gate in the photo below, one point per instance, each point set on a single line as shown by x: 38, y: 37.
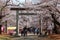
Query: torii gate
x: 17, y: 14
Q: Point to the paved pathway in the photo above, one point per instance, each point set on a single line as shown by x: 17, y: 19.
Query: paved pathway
x: 31, y: 38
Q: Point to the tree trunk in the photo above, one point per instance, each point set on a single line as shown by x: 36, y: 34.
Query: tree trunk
x: 55, y: 24
x: 0, y: 28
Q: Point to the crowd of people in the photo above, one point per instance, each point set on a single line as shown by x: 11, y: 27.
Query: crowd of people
x: 29, y: 30
x: 48, y: 30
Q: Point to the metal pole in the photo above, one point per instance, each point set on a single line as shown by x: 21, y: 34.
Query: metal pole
x: 6, y: 26
x: 41, y: 22
x: 17, y: 12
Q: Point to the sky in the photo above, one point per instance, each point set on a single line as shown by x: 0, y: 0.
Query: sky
x: 22, y: 1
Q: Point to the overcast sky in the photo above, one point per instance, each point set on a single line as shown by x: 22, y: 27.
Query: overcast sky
x: 22, y: 1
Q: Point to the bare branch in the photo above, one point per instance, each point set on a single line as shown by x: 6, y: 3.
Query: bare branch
x: 4, y: 5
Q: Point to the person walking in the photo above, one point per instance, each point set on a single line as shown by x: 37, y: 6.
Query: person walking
x: 33, y: 29
x: 25, y: 31
x: 37, y: 31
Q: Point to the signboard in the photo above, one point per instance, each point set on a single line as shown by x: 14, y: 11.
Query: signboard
x: 11, y: 28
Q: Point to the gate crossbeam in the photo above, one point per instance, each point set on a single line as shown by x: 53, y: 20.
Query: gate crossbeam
x: 27, y: 14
